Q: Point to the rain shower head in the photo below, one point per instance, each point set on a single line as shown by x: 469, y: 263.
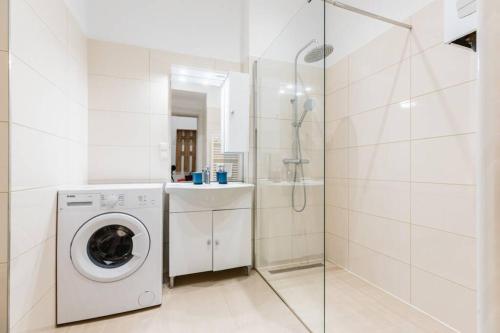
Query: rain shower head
x: 318, y: 53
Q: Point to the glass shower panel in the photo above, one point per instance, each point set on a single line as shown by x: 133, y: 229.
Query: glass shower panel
x: 289, y: 235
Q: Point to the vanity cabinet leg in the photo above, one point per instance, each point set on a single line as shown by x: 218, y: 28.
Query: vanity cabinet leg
x: 171, y: 282
x: 249, y: 268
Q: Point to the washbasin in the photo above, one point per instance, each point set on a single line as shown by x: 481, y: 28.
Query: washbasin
x: 187, y: 197
x: 212, y: 186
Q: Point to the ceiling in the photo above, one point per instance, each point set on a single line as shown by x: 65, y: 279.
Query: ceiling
x: 232, y: 29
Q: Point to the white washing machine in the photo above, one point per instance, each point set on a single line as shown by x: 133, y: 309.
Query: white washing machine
x: 109, y: 250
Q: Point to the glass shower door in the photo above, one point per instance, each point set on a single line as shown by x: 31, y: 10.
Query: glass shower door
x: 289, y: 119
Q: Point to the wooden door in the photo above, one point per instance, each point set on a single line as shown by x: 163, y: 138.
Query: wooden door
x: 185, y: 154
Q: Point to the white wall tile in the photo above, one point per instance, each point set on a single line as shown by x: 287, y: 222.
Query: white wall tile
x: 41, y: 316
x: 337, y: 163
x: 272, y: 251
x: 34, y: 213
x: 159, y: 97
x: 4, y: 86
x: 389, y: 274
x: 3, y: 297
x: 440, y: 67
x: 389, y: 237
x: 47, y: 107
x: 381, y: 198
x: 337, y: 134
x: 274, y: 222
x: 159, y: 164
x: 390, y: 161
x: 388, y: 49
x: 275, y: 134
x: 337, y: 221
x: 428, y: 27
x: 392, y: 85
x: 161, y: 63
x: 310, y: 221
x: 337, y: 76
x: 386, y: 124
x: 337, y: 192
x: 274, y: 195
x: 33, y: 42
x: 38, y: 159
x: 271, y: 165
x: 4, y: 25
x: 445, y: 112
x: 4, y: 157
x: 118, y: 163
x: 53, y: 14
x: 337, y: 105
x: 114, y: 94
x: 445, y: 207
x: 4, y: 230
x: 118, y: 60
x: 449, y: 160
x: 451, y: 303
x: 31, y: 276
x: 77, y: 82
x: 337, y: 249
x: 77, y: 42
x: 447, y: 255
x: 110, y: 128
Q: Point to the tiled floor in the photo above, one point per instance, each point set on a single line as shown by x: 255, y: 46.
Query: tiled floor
x: 352, y: 305
x: 223, y: 302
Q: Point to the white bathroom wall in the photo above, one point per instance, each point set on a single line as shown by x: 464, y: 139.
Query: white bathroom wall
x: 4, y: 161
x: 129, y: 110
x: 48, y: 115
x: 128, y: 115
x: 401, y: 158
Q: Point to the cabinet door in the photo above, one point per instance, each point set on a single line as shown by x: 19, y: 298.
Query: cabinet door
x: 190, y: 243
x: 235, y: 106
x: 232, y: 238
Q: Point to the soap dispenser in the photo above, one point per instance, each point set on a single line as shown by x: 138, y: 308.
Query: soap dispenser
x: 206, y: 175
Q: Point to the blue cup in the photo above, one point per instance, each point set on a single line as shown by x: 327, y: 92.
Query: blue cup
x: 197, y: 178
x: 222, y: 177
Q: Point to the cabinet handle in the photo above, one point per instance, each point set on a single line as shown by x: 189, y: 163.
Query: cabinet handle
x: 209, y: 242
x: 216, y: 243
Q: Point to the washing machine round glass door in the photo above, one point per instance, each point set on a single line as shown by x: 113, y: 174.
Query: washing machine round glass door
x: 110, y: 247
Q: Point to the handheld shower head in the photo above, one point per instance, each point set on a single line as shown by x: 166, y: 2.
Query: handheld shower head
x: 309, y: 105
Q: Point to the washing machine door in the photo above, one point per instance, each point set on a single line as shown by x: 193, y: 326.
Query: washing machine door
x: 110, y: 247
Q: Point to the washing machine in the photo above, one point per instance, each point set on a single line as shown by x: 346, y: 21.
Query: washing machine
x: 109, y: 250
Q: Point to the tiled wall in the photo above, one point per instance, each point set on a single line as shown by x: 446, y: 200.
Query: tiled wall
x: 48, y: 114
x: 4, y: 161
x: 401, y: 122
x: 129, y: 108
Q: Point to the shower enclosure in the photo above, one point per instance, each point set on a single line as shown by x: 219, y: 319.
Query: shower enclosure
x: 363, y: 222
x: 289, y: 121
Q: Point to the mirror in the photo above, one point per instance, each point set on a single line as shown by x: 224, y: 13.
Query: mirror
x: 196, y: 125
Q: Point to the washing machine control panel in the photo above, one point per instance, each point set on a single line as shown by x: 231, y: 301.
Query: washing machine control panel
x: 108, y: 200
x: 112, y: 200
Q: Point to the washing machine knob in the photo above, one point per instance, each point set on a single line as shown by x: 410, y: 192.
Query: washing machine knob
x: 111, y: 200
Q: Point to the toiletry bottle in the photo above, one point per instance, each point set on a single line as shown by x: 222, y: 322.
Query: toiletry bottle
x: 206, y: 175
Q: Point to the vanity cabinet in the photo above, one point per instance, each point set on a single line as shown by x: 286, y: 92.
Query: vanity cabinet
x: 210, y: 228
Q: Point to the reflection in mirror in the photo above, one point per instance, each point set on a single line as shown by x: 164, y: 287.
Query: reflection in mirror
x: 196, y: 125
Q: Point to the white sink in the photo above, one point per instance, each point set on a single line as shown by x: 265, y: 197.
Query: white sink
x: 187, y: 197
x: 169, y: 187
